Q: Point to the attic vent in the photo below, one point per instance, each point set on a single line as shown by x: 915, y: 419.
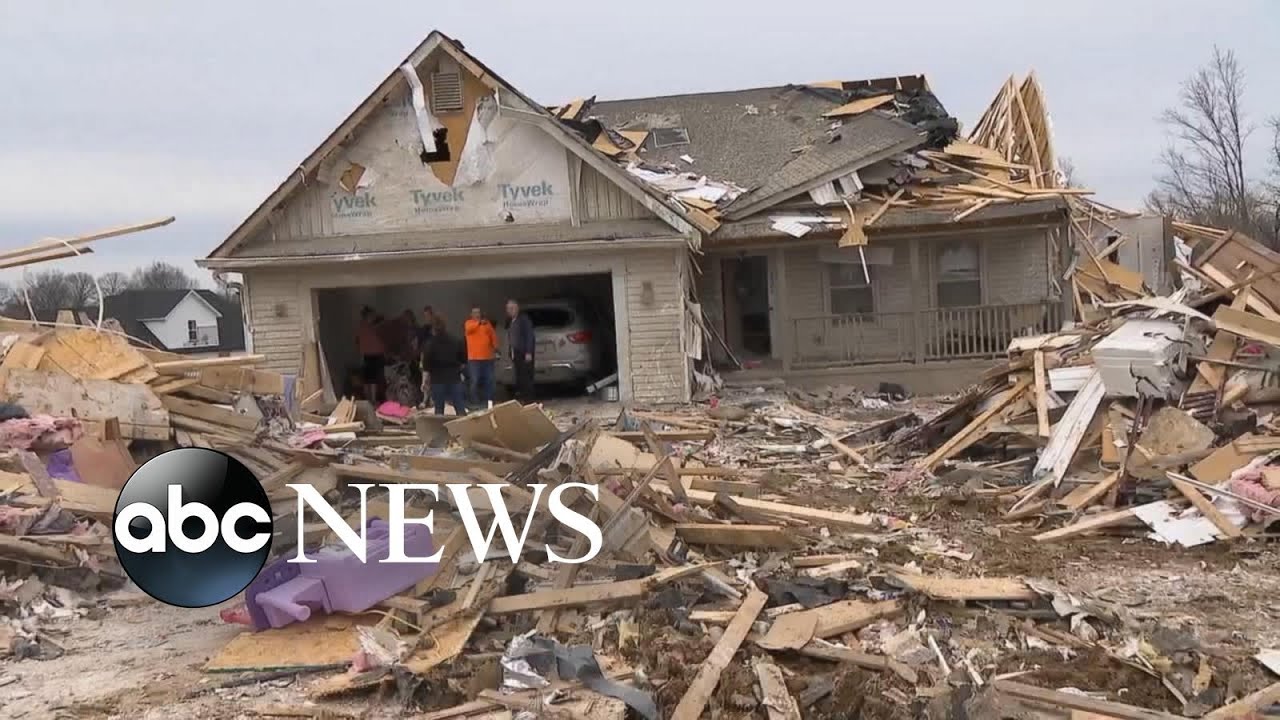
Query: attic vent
x: 446, y: 92
x: 669, y: 137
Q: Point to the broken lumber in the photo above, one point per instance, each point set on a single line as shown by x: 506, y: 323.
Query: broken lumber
x: 589, y: 594
x: 963, y: 589
x: 973, y: 431
x: 1076, y: 701
x: 704, y: 683
x: 741, y: 536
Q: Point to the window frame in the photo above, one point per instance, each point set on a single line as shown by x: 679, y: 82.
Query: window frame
x: 860, y: 317
x: 935, y: 270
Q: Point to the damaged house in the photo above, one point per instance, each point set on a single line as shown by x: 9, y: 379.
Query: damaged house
x: 838, y: 230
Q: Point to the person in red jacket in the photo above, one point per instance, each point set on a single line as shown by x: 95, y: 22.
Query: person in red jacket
x: 482, y: 352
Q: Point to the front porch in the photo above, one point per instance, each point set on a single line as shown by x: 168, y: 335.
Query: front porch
x: 916, y: 336
x: 926, y: 311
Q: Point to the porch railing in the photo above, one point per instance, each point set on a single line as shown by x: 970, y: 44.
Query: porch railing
x: 983, y: 331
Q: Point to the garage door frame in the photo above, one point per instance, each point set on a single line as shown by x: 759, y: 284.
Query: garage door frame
x: 373, y: 273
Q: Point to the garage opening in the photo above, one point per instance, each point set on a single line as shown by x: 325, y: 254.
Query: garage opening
x: 573, y: 318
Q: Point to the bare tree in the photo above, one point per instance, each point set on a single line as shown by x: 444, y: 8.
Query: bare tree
x: 81, y: 290
x: 48, y: 291
x: 161, y: 275
x: 1204, y: 177
x: 113, y: 283
x: 1070, y: 173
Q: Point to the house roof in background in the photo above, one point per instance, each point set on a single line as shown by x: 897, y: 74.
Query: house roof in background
x: 131, y: 307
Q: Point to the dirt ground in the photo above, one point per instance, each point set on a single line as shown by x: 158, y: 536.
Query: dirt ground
x: 130, y: 657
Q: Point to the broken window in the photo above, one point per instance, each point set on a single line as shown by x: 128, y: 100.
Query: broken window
x: 849, y: 292
x: 446, y: 92
x: 958, y: 273
x: 441, y: 153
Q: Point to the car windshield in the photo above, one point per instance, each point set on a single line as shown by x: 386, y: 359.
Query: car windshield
x: 552, y: 317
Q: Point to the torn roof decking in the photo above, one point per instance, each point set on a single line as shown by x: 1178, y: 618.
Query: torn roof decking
x: 765, y: 140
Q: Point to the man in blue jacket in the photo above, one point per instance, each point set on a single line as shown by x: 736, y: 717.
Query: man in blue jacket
x: 520, y: 344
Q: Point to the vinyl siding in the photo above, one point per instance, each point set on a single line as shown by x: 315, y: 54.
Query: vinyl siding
x: 599, y: 198
x: 655, y: 299
x: 275, y: 318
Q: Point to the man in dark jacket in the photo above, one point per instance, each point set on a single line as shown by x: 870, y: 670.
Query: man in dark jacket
x: 520, y: 344
x: 442, y: 359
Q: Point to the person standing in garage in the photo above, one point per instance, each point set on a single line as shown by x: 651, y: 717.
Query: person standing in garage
x: 482, y: 350
x: 520, y: 343
x: 442, y: 359
x: 373, y: 353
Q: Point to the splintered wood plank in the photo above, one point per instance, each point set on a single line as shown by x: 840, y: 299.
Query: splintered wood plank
x: 1240, y: 709
x: 181, y: 367
x: 942, y: 588
x: 318, y: 642
x: 1076, y: 701
x: 1042, y: 395
x: 1095, y: 522
x: 1210, y: 375
x: 742, y: 536
x: 1069, y: 432
x: 842, y: 617
x: 975, y: 429
x: 1091, y: 493
x: 588, y: 594
x: 798, y: 512
x: 1206, y: 507
x: 242, y: 379
x: 209, y: 413
x: 23, y: 356
x: 1246, y: 324
x: 704, y: 683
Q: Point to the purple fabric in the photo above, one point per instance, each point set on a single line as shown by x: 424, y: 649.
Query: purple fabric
x: 61, y: 468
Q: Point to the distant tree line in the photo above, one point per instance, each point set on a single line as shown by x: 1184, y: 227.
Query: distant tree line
x: 53, y: 290
x: 1209, y: 176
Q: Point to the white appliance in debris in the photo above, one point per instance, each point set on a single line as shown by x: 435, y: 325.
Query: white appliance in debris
x: 1144, y: 357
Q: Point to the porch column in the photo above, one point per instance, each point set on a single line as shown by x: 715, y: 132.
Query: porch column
x: 917, y: 300
x: 782, y: 309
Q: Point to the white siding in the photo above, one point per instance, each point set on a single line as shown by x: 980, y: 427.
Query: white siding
x: 655, y: 297
x: 171, y: 330
x: 275, y: 318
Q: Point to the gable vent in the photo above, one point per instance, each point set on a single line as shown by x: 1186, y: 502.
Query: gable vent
x: 446, y: 92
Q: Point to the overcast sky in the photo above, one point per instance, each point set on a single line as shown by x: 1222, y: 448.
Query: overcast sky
x: 123, y: 111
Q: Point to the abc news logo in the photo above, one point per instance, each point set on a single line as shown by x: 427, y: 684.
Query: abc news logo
x: 192, y: 527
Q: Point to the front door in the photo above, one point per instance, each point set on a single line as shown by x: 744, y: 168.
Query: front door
x: 748, y: 306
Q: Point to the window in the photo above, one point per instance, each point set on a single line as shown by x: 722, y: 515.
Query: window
x: 192, y: 337
x: 850, y: 293
x: 959, y: 279
x: 550, y: 317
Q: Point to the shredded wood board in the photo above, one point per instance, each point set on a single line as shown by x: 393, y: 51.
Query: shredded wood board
x: 51, y: 393
x: 318, y: 642
x: 940, y: 588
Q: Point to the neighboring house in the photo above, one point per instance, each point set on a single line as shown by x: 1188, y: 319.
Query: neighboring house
x: 191, y: 322
x: 488, y: 185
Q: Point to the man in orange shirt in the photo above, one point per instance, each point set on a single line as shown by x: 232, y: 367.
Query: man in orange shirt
x: 482, y: 350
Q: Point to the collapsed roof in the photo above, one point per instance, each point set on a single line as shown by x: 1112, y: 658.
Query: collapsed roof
x: 874, y: 151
